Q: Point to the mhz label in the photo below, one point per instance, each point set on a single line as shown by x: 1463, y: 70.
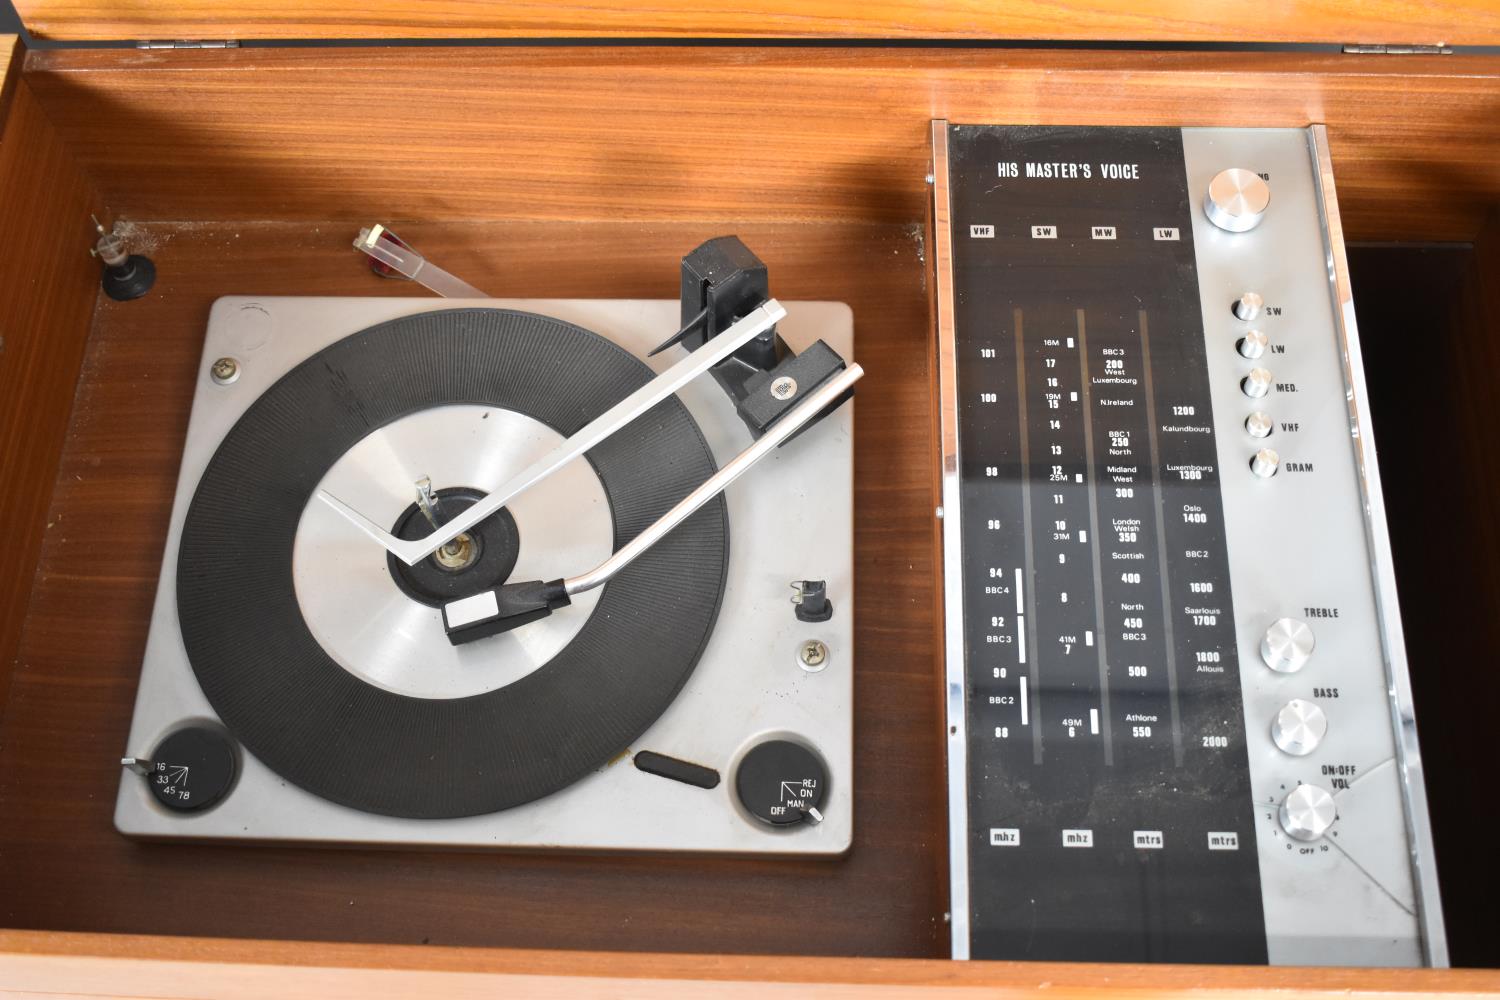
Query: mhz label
x: 1078, y: 838
x: 1007, y: 836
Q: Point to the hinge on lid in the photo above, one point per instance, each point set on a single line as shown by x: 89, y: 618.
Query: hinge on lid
x: 225, y: 44
x: 1397, y: 50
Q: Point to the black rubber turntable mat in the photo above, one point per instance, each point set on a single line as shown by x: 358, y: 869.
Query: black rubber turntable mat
x: 326, y: 730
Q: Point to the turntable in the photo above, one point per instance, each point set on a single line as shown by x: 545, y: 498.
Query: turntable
x: 466, y: 573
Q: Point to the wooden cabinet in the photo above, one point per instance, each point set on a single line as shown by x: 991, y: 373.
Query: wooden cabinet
x: 586, y: 171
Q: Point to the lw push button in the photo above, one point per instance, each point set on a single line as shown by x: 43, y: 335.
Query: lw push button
x: 1252, y: 345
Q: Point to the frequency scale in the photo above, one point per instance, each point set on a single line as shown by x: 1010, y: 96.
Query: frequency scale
x: 1179, y: 717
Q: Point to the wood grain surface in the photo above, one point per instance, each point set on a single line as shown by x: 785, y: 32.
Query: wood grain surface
x: 106, y: 965
x: 47, y: 287
x: 1469, y: 22
x: 735, y: 134
x: 65, y: 868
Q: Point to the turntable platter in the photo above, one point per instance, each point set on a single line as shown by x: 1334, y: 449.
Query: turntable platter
x: 364, y: 739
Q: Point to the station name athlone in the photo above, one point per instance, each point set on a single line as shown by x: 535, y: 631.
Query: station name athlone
x: 1064, y: 170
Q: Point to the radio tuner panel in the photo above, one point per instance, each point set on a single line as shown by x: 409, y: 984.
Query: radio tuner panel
x: 1179, y: 717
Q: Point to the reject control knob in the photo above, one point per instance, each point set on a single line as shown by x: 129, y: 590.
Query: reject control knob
x: 191, y: 769
x: 1307, y: 812
x: 1259, y: 425
x: 1257, y: 383
x: 1265, y: 462
x: 1248, y: 306
x: 1252, y: 345
x: 781, y: 783
x: 1237, y: 199
x: 1299, y: 727
x: 1287, y: 645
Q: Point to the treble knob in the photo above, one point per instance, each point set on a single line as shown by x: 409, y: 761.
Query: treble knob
x: 1237, y: 200
x: 1287, y: 645
x: 1307, y: 812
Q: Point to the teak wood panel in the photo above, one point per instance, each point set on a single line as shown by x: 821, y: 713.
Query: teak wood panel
x: 65, y: 868
x: 731, y: 134
x: 195, y: 968
x: 1468, y: 22
x: 47, y: 288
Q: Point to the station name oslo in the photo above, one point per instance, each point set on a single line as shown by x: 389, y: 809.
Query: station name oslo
x: 1073, y: 171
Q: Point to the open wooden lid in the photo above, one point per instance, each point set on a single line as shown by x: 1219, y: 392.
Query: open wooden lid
x: 1390, y: 22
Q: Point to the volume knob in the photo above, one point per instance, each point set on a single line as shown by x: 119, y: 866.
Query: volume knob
x: 1307, y: 812
x: 1237, y: 200
x: 1299, y: 727
x: 1287, y: 645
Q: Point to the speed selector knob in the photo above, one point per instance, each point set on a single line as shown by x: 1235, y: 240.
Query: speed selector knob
x: 1307, y: 812
x: 1287, y: 645
x: 1299, y: 727
x: 1248, y: 306
x: 1257, y: 383
x: 1237, y: 200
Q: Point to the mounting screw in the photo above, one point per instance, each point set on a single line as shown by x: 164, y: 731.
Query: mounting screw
x: 224, y: 371
x: 784, y: 387
x: 813, y: 655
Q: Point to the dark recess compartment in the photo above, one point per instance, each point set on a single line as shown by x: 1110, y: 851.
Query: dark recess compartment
x: 1426, y: 344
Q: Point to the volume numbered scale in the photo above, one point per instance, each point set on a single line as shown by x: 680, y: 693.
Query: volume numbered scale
x: 1179, y: 716
x: 528, y: 574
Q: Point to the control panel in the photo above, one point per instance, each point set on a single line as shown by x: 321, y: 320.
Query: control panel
x: 1179, y: 719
